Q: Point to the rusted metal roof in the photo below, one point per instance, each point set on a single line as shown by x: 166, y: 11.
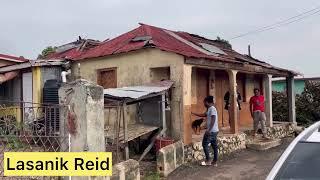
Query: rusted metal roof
x: 12, y: 58
x: 183, y: 43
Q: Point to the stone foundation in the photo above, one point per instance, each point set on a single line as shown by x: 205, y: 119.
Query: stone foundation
x: 170, y: 158
x: 126, y: 170
x: 226, y: 145
x: 231, y: 143
x: 279, y: 130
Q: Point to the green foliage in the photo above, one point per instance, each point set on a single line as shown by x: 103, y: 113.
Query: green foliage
x: 14, y: 143
x: 152, y: 176
x: 47, y: 51
x: 280, y: 106
x: 226, y: 42
x: 307, y: 105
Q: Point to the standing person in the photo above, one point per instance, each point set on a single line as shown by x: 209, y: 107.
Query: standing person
x: 227, y: 105
x: 257, y: 112
x: 212, y: 131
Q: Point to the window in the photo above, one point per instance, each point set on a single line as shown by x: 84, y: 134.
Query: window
x: 160, y: 73
x: 302, y: 163
x: 107, y: 78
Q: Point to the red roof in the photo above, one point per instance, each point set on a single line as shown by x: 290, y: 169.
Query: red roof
x: 12, y: 58
x: 73, y: 49
x: 183, y: 43
x: 159, y: 38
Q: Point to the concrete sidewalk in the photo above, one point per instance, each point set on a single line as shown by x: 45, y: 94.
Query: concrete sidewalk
x: 245, y: 165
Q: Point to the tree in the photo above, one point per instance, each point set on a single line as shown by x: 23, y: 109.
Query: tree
x: 307, y: 105
x: 226, y: 42
x: 47, y: 51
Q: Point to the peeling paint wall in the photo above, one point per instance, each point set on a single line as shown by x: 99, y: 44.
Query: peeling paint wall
x: 134, y: 68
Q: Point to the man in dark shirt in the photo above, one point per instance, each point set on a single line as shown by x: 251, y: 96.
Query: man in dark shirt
x: 227, y: 105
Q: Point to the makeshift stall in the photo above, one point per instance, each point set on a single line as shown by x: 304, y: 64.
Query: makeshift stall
x: 149, y: 121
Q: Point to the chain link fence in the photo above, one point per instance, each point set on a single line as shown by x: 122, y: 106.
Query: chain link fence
x: 29, y: 127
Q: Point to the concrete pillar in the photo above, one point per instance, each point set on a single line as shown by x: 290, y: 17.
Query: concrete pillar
x: 233, y: 101
x: 36, y: 85
x: 291, y: 99
x: 267, y: 84
x: 87, y: 104
x: 186, y: 84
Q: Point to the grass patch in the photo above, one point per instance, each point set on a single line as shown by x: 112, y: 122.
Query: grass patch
x: 152, y: 176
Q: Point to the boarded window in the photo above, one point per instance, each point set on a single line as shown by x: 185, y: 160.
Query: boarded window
x: 107, y: 78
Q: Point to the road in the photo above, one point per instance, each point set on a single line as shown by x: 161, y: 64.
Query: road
x: 244, y: 165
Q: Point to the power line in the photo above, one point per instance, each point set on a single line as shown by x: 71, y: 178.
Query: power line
x: 290, y: 20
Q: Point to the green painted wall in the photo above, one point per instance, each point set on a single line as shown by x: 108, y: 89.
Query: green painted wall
x: 281, y: 86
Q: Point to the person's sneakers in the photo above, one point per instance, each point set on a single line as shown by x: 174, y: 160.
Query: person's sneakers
x: 205, y: 163
x: 214, y: 163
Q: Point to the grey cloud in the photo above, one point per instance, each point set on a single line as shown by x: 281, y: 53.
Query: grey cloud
x: 29, y: 26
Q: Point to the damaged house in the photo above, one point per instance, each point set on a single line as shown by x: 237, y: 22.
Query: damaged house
x: 198, y: 66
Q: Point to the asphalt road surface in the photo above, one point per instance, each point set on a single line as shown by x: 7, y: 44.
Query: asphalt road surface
x: 244, y: 165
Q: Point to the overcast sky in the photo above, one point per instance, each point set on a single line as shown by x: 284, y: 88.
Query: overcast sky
x: 28, y: 26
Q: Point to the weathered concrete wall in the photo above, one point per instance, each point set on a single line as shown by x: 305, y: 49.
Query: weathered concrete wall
x: 126, y: 170
x: 170, y: 158
x: 226, y: 144
x: 133, y: 68
x: 86, y: 102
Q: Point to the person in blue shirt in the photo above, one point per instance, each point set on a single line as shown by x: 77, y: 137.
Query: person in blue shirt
x: 212, y: 131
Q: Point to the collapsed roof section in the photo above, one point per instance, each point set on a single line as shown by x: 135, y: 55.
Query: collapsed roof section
x: 73, y: 49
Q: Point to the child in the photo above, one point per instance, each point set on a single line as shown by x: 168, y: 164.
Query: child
x: 212, y: 131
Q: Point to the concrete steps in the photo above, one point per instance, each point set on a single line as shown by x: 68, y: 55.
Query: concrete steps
x: 261, y: 144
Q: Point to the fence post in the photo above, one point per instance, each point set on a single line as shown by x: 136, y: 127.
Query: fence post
x: 86, y: 101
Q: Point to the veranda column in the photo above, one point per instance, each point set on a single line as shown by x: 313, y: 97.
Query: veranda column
x: 186, y: 86
x: 291, y: 99
x: 267, y: 84
x: 233, y: 100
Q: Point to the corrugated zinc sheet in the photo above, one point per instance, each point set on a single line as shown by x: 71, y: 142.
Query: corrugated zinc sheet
x: 136, y: 92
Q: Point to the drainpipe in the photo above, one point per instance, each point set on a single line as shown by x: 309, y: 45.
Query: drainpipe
x: 64, y: 80
x: 64, y: 75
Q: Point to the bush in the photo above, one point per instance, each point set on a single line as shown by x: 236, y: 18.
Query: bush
x: 307, y: 105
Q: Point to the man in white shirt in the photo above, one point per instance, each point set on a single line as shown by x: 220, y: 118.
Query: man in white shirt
x: 212, y: 131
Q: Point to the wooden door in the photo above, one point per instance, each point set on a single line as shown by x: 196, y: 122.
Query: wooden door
x: 222, y: 86
x: 202, y: 90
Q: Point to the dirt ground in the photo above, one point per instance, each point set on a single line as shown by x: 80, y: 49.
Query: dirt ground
x: 244, y: 165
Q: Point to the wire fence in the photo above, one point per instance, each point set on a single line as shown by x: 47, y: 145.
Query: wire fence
x: 30, y: 127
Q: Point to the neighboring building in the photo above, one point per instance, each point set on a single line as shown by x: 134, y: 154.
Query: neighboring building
x: 28, y: 79
x: 9, y: 60
x: 197, y: 65
x: 280, y: 84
